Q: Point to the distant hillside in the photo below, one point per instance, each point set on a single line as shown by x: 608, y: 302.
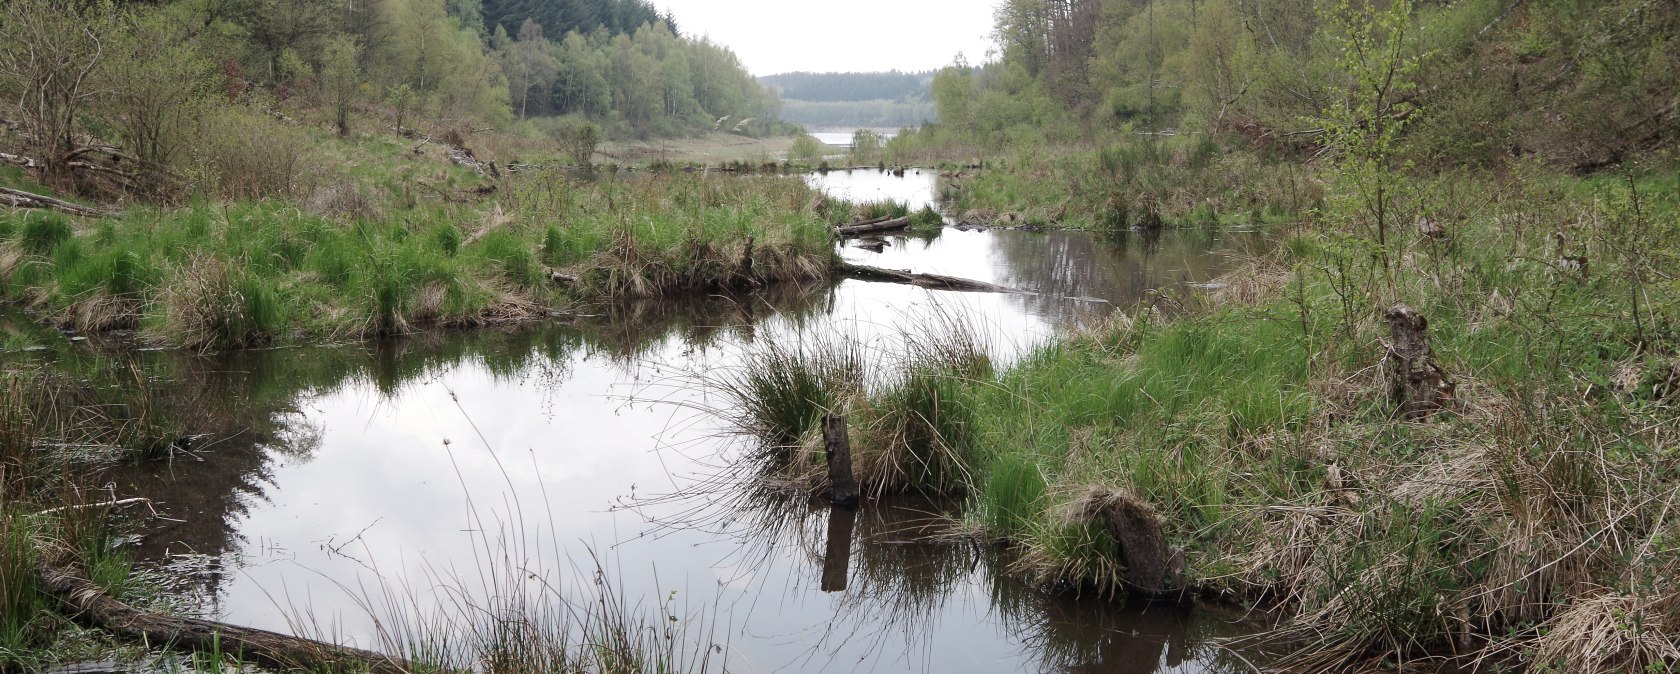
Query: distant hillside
x: 880, y: 99
x: 889, y: 86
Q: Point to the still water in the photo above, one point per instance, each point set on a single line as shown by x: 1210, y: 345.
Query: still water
x: 352, y: 485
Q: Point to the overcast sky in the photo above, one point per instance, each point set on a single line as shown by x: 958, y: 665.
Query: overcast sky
x: 777, y: 36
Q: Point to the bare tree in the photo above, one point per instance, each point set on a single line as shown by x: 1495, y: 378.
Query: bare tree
x: 49, y: 55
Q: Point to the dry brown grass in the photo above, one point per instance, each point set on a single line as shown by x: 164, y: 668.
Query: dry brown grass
x: 1614, y: 632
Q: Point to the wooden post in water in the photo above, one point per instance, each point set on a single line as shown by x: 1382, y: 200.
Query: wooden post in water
x: 843, y: 488
x: 837, y: 559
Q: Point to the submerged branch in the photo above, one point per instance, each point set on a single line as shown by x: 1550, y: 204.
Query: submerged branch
x: 932, y: 281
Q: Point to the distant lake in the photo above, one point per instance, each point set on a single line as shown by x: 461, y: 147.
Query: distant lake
x: 843, y: 137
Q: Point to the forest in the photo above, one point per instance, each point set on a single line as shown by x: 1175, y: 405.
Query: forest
x: 1297, y: 336
x: 1581, y: 84
x: 854, y: 100
x: 450, y: 63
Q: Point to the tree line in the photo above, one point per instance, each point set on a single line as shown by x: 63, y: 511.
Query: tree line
x: 564, y: 16
x: 1581, y: 83
x: 166, y: 80
x: 828, y: 87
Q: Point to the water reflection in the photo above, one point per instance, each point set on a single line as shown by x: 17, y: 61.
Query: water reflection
x: 372, y: 466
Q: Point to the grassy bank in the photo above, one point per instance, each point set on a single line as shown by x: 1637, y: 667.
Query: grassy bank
x: 359, y: 260
x: 1527, y: 524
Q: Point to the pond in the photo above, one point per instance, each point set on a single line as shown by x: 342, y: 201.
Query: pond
x: 352, y: 488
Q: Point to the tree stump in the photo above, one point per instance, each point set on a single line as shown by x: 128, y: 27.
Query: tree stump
x: 837, y: 445
x: 1154, y: 569
x: 1416, y: 384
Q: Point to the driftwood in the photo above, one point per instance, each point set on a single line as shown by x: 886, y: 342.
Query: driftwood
x: 931, y: 281
x: 85, y: 601
x: 882, y: 225
x: 1154, y: 570
x: 22, y: 199
x: 1416, y: 383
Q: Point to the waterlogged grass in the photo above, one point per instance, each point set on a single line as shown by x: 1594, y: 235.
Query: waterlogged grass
x: 1530, y: 521
x: 233, y: 275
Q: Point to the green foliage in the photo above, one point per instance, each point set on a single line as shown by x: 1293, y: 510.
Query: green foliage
x: 24, y: 607
x: 866, y: 147
x: 578, y: 139
x: 1509, y: 82
x: 221, y: 276
x: 44, y: 231
x: 805, y: 148
x: 157, y: 87
x: 340, y: 79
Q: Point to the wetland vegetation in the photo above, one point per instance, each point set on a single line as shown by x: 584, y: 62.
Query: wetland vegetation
x: 1429, y: 422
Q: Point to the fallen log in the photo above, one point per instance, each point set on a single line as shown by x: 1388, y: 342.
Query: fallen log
x: 83, y: 600
x: 870, y: 221
x: 22, y: 199
x: 19, y: 160
x: 931, y: 281
x: 878, y: 226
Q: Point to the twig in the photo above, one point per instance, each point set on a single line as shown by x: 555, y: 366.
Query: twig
x: 105, y: 504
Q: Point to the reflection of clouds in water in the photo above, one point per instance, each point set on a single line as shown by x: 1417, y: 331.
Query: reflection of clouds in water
x: 915, y: 189
x: 562, y: 446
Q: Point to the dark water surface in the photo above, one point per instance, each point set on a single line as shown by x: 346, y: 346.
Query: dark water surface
x: 377, y: 480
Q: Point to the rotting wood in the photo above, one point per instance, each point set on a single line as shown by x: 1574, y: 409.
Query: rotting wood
x: 931, y: 281
x: 866, y: 228
x: 1430, y: 229
x: 85, y: 601
x: 837, y: 446
x: 18, y: 160
x: 870, y: 221
x: 1154, y: 570
x: 1416, y: 383
x: 21, y: 199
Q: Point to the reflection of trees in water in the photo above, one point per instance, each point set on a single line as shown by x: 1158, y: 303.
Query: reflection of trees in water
x: 1120, y: 267
x: 907, y: 561
x: 1091, y: 634
x: 247, y: 404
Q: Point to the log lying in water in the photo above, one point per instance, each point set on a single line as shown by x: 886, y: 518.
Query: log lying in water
x: 880, y: 225
x: 22, y: 199
x: 932, y: 281
x: 87, y: 602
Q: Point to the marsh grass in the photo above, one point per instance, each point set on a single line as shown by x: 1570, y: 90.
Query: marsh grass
x: 48, y: 513
x: 218, y: 276
x: 1529, y: 522
x: 909, y: 415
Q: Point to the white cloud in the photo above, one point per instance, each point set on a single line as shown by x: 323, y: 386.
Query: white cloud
x: 775, y: 36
